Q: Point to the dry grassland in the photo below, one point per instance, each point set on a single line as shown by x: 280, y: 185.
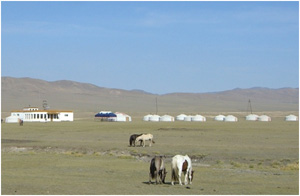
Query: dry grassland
x: 88, y: 157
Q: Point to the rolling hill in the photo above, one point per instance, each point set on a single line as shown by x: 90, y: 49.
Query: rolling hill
x: 86, y: 99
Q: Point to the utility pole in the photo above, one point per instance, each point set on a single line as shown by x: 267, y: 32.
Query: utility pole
x: 156, y: 106
x: 249, y: 107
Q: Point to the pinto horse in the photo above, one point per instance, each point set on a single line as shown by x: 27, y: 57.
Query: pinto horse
x: 181, y: 164
x: 157, y: 168
x: 132, y: 139
x: 145, y: 137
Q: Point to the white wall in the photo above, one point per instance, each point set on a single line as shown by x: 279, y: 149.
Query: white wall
x: 36, y: 116
x: 66, y: 116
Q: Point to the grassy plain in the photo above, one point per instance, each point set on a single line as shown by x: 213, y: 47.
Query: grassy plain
x: 88, y: 157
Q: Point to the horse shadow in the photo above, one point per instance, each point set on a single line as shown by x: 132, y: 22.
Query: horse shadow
x: 166, y: 183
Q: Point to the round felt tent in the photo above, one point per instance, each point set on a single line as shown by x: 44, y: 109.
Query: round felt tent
x: 219, y: 118
x: 166, y: 118
x: 180, y: 117
x: 264, y: 118
x: 252, y: 117
x: 154, y: 118
x: 230, y: 118
x: 147, y: 117
x: 121, y: 117
x: 291, y: 118
x: 188, y: 118
x: 198, y: 118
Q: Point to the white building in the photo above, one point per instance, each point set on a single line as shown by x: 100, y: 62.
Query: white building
x: 33, y: 114
x: 291, y: 118
x: 12, y: 119
x: 252, y: 117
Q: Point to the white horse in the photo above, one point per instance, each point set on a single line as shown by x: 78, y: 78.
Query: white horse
x: 145, y: 137
x: 181, y: 164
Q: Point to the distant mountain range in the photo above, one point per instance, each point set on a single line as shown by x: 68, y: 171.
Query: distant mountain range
x: 85, y: 99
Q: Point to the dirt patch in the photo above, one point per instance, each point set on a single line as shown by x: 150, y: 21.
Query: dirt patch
x: 74, y: 151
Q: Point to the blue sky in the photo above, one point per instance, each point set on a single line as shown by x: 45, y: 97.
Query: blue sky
x: 159, y: 47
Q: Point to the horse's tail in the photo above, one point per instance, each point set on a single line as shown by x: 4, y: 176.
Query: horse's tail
x: 152, y: 174
x: 153, y: 141
x: 162, y: 164
x: 174, y: 175
x: 152, y: 168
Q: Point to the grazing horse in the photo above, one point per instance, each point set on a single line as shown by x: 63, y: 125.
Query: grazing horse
x: 132, y: 139
x: 145, y: 137
x: 181, y: 164
x: 157, y: 168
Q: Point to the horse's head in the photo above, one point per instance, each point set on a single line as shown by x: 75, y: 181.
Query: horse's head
x: 162, y: 174
x: 192, y: 175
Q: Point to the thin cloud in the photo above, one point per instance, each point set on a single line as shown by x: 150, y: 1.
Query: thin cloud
x: 159, y: 19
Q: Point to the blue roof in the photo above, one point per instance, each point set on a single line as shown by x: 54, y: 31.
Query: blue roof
x: 105, y: 115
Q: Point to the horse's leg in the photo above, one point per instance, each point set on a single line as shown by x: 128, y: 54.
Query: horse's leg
x: 156, y: 175
x: 150, y: 142
x: 179, y: 176
x: 185, y: 178
x: 172, y: 176
x: 160, y: 176
x: 150, y: 178
x: 144, y: 143
x: 190, y: 176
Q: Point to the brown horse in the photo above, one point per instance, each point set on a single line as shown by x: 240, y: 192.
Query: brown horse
x: 157, y: 168
x: 133, y: 138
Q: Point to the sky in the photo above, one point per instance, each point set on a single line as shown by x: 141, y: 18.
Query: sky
x: 158, y: 47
